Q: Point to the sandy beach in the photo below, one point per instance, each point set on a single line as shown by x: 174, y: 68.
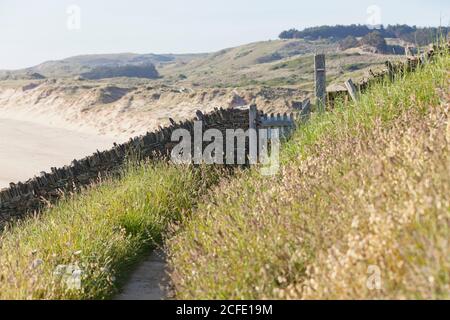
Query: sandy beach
x: 27, y: 148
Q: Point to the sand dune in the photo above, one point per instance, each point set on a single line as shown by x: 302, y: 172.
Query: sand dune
x: 125, y: 111
x: 28, y: 148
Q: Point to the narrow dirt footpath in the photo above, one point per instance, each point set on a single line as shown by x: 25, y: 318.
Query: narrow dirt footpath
x: 148, y: 281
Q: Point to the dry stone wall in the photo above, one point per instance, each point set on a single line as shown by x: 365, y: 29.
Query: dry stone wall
x: 22, y: 199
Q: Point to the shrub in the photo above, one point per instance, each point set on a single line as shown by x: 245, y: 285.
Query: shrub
x: 147, y: 71
x: 348, y: 42
x: 376, y: 40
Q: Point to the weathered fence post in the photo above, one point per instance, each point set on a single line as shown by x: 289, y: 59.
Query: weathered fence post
x: 320, y: 81
x: 408, y: 51
x: 306, y: 111
x: 351, y: 88
x: 253, y: 135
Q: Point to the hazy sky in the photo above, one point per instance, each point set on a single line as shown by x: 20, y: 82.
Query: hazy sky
x: 34, y: 31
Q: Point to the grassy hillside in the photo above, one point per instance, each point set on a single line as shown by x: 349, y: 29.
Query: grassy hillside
x: 360, y: 209
x: 269, y: 63
x: 103, y: 232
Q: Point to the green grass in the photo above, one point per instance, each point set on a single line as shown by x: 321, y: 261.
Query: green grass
x: 365, y: 187
x: 103, y: 231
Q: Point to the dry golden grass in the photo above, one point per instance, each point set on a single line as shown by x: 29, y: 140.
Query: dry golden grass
x: 363, y: 195
x: 390, y: 211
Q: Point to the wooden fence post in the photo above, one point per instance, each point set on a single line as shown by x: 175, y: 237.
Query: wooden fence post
x: 306, y: 111
x: 320, y: 81
x: 351, y: 88
x: 253, y: 135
